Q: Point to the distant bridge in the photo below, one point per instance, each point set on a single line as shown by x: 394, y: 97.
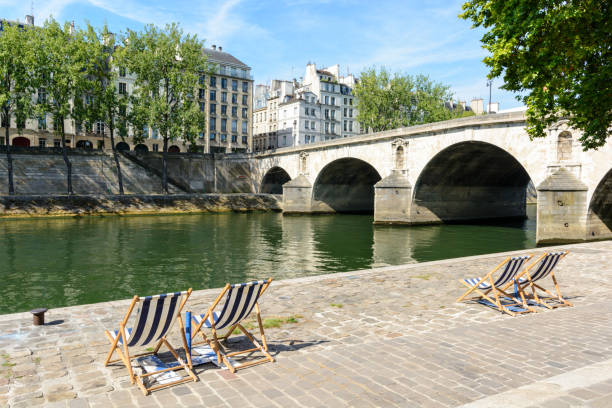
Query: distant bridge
x: 463, y: 169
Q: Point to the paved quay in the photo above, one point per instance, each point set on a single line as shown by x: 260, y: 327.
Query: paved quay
x: 391, y: 336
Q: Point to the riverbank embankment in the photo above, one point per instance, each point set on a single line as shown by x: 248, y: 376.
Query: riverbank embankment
x: 79, y: 205
x: 390, y: 336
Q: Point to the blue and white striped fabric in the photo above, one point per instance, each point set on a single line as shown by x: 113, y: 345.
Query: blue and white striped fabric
x: 511, y: 269
x: 154, y: 319
x: 240, y: 300
x: 546, y: 265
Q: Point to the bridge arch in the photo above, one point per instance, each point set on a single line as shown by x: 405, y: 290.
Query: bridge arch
x: 345, y: 185
x: 599, y: 216
x: 470, y: 180
x: 273, y: 180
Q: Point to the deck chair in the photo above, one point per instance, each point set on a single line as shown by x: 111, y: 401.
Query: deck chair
x: 153, y: 321
x: 541, y: 268
x: 485, y: 285
x: 240, y: 300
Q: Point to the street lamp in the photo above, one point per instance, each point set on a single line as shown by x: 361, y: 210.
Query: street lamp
x: 490, y: 85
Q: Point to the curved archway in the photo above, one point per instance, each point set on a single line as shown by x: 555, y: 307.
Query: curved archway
x: 84, y: 144
x: 599, y: 216
x: 273, y: 181
x: 21, y: 141
x: 470, y: 181
x: 345, y: 185
x: 174, y: 149
x: 122, y: 147
x: 141, y: 148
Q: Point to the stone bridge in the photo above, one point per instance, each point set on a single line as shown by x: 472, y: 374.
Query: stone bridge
x: 459, y: 170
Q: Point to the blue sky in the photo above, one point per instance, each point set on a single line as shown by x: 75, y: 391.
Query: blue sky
x: 278, y: 38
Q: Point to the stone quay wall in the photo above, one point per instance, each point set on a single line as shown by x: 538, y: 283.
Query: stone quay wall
x: 46, y: 205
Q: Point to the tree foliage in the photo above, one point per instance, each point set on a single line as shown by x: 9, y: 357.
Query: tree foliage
x: 559, y: 52
x: 16, y: 83
x: 388, y: 101
x: 167, y: 65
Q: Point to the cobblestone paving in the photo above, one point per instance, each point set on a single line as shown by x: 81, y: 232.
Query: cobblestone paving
x: 386, y: 337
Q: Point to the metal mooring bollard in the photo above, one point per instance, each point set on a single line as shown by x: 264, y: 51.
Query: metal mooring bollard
x: 39, y: 316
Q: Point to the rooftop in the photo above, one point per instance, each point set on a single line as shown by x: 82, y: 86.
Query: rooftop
x: 224, y: 58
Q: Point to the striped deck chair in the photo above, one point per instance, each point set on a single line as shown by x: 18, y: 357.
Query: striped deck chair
x: 241, y: 299
x: 153, y: 321
x: 541, y: 268
x: 485, y: 285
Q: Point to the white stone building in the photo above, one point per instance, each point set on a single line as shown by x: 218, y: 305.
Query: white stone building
x: 321, y: 108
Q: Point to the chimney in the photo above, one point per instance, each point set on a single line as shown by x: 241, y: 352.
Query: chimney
x: 214, y: 47
x: 220, y: 48
x: 29, y: 20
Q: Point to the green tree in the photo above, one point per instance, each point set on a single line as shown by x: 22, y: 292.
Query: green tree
x: 558, y: 53
x: 16, y: 84
x: 167, y: 65
x: 388, y: 101
x: 106, y: 103
x: 61, y: 60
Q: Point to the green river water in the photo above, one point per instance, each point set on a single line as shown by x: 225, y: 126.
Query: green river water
x: 53, y: 262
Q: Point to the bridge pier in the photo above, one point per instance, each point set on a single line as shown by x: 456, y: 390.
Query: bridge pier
x: 297, y: 196
x: 562, y: 209
x: 393, y: 199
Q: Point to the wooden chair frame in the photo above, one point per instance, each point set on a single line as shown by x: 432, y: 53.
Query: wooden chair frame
x: 125, y: 357
x: 214, y: 343
x: 534, y: 286
x: 488, y: 278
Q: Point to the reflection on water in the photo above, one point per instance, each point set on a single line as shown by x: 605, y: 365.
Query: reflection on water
x: 61, y: 262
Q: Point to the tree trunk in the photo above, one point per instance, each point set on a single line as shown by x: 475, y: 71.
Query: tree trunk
x: 115, y: 155
x: 65, y: 154
x: 9, y: 158
x: 165, y: 166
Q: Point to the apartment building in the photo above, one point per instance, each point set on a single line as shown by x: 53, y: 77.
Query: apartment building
x: 225, y: 94
x: 291, y: 114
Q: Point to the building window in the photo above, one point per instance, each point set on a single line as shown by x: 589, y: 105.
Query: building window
x: 351, y: 101
x: 154, y: 133
x: 202, y: 106
x: 202, y: 80
x: 223, y: 125
x: 312, y: 112
x: 326, y: 100
x: 234, y: 85
x: 351, y: 112
x: 155, y: 147
x: 212, y: 136
x: 234, y: 111
x: 234, y: 138
x: 122, y: 88
x: 345, y: 112
x: 306, y: 124
x: 245, y: 86
x: 312, y: 125
x: 2, y: 141
x: 326, y: 127
x: 351, y: 126
x: 213, y: 108
x: 213, y: 81
x: 100, y: 128
x: 121, y: 72
x: 42, y: 143
x: 202, y: 93
x: 223, y: 137
x: 244, y: 126
x: 42, y: 122
x: 333, y: 128
x: 224, y: 83
x: 345, y: 101
x: 213, y: 123
x: 223, y: 96
x: 213, y: 95
x: 306, y: 111
x: 244, y: 100
x: 333, y: 114
x: 326, y: 113
x: 224, y: 109
x: 201, y: 135
x: 345, y: 126
x: 57, y: 143
x: 244, y: 140
x: 234, y: 98
x: 244, y: 112
x: 234, y: 125
x: 100, y: 144
x: 42, y: 95
x: 333, y: 100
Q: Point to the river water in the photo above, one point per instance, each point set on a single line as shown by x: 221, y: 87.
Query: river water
x: 55, y: 262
